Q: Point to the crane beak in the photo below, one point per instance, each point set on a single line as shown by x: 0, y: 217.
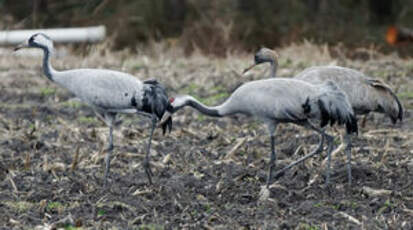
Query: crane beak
x: 249, y: 68
x: 24, y: 44
x: 166, y: 123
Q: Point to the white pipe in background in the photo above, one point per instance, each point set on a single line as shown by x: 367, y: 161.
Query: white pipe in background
x: 70, y: 35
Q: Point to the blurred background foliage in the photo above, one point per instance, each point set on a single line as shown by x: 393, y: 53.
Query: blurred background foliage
x: 218, y: 26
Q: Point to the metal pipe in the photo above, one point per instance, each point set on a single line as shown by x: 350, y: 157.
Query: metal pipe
x: 59, y: 35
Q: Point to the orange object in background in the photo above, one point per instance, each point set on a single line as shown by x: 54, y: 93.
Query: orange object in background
x: 396, y: 35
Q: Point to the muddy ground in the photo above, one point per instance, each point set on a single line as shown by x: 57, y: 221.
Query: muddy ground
x: 208, y: 172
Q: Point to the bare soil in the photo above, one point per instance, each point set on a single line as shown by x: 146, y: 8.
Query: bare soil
x: 208, y: 172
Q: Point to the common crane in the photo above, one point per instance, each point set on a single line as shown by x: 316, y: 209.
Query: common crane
x: 108, y: 93
x: 364, y: 93
x: 265, y: 55
x: 275, y: 101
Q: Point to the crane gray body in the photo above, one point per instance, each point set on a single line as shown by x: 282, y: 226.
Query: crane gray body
x: 104, y: 90
x: 364, y: 93
x: 277, y: 101
x: 108, y: 92
x: 282, y: 100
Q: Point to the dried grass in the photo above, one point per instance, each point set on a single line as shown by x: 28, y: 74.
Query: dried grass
x: 50, y: 155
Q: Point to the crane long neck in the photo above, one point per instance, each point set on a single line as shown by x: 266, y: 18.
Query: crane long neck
x: 214, y: 111
x: 48, y: 70
x: 273, y: 66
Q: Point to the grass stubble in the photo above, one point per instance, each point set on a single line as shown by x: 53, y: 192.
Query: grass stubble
x: 208, y: 171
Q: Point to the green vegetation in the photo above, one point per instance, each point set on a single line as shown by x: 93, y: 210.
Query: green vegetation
x: 336, y: 206
x: 71, y: 227
x: 388, y: 205
x: 32, y: 126
x: 208, y: 208
x: 215, y: 98
x: 19, y: 206
x: 101, y: 212
x: 150, y: 227
x: 217, y: 94
x: 318, y: 205
x: 47, y: 91
x: 72, y: 104
x: 138, y: 67
x: 54, y: 206
x: 87, y: 120
x: 406, y: 95
x: 305, y: 226
x: 200, y: 118
x: 337, y: 141
x: 254, y: 125
x: 191, y: 89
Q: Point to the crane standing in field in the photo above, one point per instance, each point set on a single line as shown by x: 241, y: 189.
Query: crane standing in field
x: 108, y: 93
x: 275, y: 101
x: 364, y: 93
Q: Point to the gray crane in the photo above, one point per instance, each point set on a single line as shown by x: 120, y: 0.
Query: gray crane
x: 275, y: 101
x: 265, y: 55
x: 364, y: 93
x: 108, y: 93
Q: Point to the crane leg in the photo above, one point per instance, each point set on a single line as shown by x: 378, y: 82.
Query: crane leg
x: 146, y: 162
x: 364, y: 121
x: 316, y: 151
x: 330, y: 140
x: 108, y: 154
x: 272, y: 160
x: 347, y: 150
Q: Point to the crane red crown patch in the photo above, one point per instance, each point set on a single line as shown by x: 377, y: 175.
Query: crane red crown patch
x: 171, y: 100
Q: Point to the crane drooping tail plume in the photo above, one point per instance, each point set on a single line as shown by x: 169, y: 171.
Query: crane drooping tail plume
x: 331, y: 106
x: 156, y: 101
x: 386, y: 100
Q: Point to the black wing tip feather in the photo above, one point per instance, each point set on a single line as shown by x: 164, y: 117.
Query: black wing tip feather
x: 157, y: 100
x: 338, y: 117
x: 351, y: 125
x: 400, y: 108
x: 324, y: 114
x: 400, y: 115
x: 167, y: 125
x: 151, y: 81
x: 306, y: 106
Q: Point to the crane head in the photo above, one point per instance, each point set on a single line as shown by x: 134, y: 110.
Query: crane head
x: 38, y: 40
x: 263, y: 55
x: 166, y: 124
